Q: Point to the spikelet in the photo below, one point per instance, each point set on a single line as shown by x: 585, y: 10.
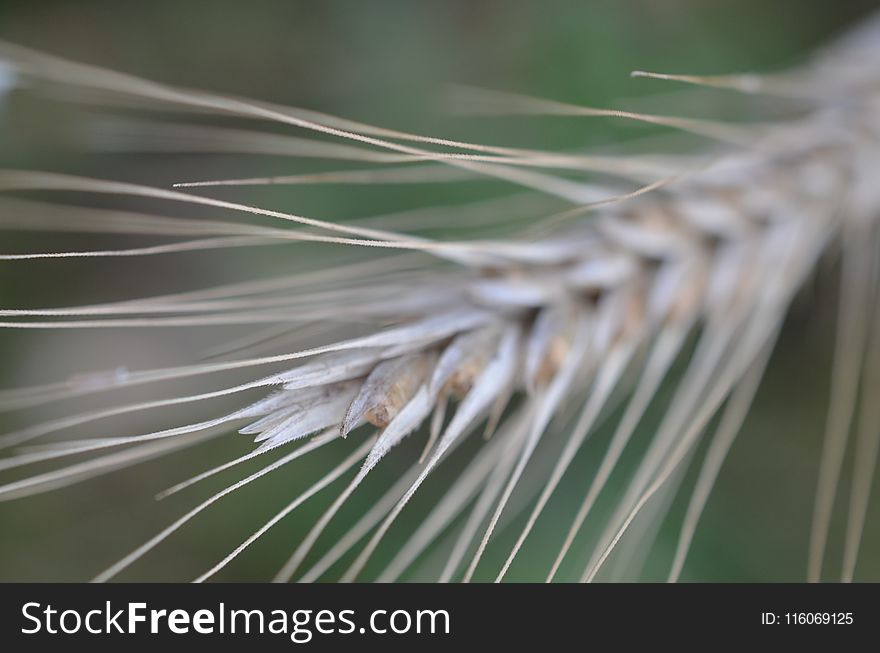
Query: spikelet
x: 537, y: 330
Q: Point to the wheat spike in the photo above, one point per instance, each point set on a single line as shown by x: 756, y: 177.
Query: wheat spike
x: 540, y: 314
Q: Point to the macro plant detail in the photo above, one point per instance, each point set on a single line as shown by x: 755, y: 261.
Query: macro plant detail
x: 517, y: 332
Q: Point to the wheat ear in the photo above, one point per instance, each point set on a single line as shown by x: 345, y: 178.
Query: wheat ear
x: 539, y: 315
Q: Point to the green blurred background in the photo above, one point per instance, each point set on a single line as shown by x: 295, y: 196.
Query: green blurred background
x: 388, y: 63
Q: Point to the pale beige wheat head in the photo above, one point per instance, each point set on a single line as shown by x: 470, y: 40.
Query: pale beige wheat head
x: 536, y: 327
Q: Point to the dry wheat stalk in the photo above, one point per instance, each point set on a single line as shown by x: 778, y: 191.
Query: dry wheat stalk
x: 537, y: 331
